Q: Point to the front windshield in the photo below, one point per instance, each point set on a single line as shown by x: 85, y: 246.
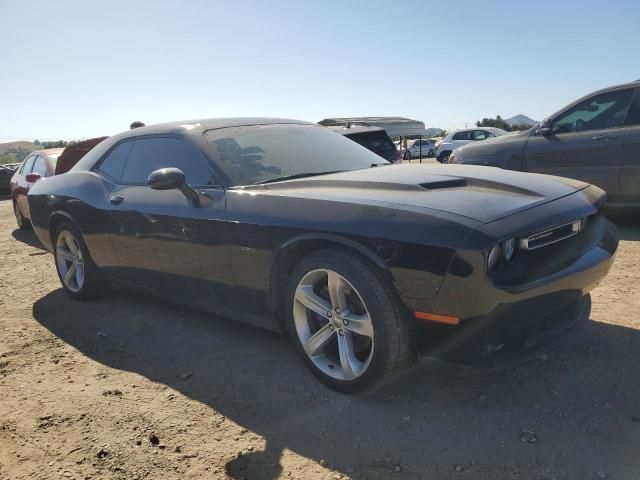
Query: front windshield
x: 256, y: 153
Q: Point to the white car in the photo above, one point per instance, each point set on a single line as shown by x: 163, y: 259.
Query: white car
x: 461, y: 137
x: 413, y: 149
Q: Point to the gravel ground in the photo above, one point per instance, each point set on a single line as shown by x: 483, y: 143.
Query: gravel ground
x: 128, y: 387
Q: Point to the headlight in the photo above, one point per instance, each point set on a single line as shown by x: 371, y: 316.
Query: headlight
x: 504, y: 250
x: 509, y: 248
x: 494, y: 257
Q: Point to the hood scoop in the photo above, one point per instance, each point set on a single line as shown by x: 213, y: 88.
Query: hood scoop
x: 445, y: 182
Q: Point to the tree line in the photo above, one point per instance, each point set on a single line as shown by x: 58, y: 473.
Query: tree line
x: 499, y: 122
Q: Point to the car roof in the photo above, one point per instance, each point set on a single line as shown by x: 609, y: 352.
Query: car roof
x: 634, y: 84
x: 353, y: 129
x: 192, y: 127
x: 48, y: 151
x: 474, y: 129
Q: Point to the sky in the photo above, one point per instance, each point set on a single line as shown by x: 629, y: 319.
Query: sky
x: 78, y: 69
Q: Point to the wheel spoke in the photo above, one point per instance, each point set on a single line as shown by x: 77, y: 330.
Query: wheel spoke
x: 64, y: 254
x: 79, y: 274
x: 318, y: 340
x: 70, y: 275
x: 71, y: 243
x: 360, y: 324
x: 337, y: 286
x: 306, y: 296
x: 348, y: 360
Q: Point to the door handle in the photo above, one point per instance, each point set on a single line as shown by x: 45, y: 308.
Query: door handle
x: 116, y: 199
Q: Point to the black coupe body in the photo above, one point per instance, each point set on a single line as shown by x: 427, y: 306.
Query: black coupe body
x: 288, y: 225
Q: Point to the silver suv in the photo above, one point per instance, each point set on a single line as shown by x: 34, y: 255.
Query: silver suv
x: 461, y: 137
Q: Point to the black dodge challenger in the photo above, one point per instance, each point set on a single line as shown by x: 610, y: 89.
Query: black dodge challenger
x: 367, y: 266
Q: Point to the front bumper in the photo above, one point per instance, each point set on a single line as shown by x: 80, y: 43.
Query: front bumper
x: 506, y: 334
x: 542, y: 296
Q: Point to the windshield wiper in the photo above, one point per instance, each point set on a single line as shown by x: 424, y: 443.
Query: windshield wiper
x: 294, y: 176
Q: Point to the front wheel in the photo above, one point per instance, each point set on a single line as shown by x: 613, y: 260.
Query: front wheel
x: 444, y: 157
x: 344, y: 323
x: 77, y: 273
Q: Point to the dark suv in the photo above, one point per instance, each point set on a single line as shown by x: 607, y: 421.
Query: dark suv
x: 595, y: 139
x: 371, y: 138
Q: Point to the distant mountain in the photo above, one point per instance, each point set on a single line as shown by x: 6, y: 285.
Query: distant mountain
x: 12, y: 152
x: 520, y: 120
x: 15, y: 146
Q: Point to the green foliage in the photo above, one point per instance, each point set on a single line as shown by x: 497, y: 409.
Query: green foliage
x: 54, y: 144
x: 8, y: 158
x: 499, y: 122
x: 441, y: 133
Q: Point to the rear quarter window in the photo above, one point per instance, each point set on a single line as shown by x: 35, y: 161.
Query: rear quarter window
x: 113, y: 164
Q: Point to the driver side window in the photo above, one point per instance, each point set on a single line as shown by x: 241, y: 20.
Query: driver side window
x: 607, y: 110
x: 149, y: 154
x: 26, y: 165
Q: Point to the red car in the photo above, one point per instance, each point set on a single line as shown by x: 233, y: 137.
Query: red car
x: 37, y: 165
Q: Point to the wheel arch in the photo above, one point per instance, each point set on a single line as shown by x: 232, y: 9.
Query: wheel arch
x: 291, y: 252
x: 55, y: 219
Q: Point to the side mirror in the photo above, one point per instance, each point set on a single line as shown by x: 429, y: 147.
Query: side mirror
x: 166, y: 179
x: 170, y: 178
x: 32, y: 177
x: 546, y: 127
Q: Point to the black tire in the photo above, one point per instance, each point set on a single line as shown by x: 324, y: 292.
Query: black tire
x: 91, y: 274
x: 23, y: 223
x: 444, y: 157
x: 393, y: 350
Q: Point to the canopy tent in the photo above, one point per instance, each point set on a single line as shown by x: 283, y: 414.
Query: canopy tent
x: 394, y: 126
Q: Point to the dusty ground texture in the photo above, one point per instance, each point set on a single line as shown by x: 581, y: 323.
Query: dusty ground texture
x: 128, y: 387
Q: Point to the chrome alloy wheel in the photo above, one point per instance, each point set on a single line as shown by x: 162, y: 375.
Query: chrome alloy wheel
x: 69, y: 261
x: 333, y: 324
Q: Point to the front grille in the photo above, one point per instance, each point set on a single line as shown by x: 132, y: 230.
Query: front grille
x: 552, y: 235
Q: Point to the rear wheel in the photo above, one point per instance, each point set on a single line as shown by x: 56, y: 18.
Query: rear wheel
x: 23, y: 223
x: 77, y: 273
x: 347, y: 328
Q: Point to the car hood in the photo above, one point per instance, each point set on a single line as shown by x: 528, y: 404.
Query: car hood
x: 483, y: 194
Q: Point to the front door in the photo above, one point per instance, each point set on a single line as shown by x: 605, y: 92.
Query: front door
x: 630, y: 178
x: 164, y: 243
x: 585, y: 142
x: 21, y: 187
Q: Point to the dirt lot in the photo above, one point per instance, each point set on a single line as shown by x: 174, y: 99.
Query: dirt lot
x: 88, y: 388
